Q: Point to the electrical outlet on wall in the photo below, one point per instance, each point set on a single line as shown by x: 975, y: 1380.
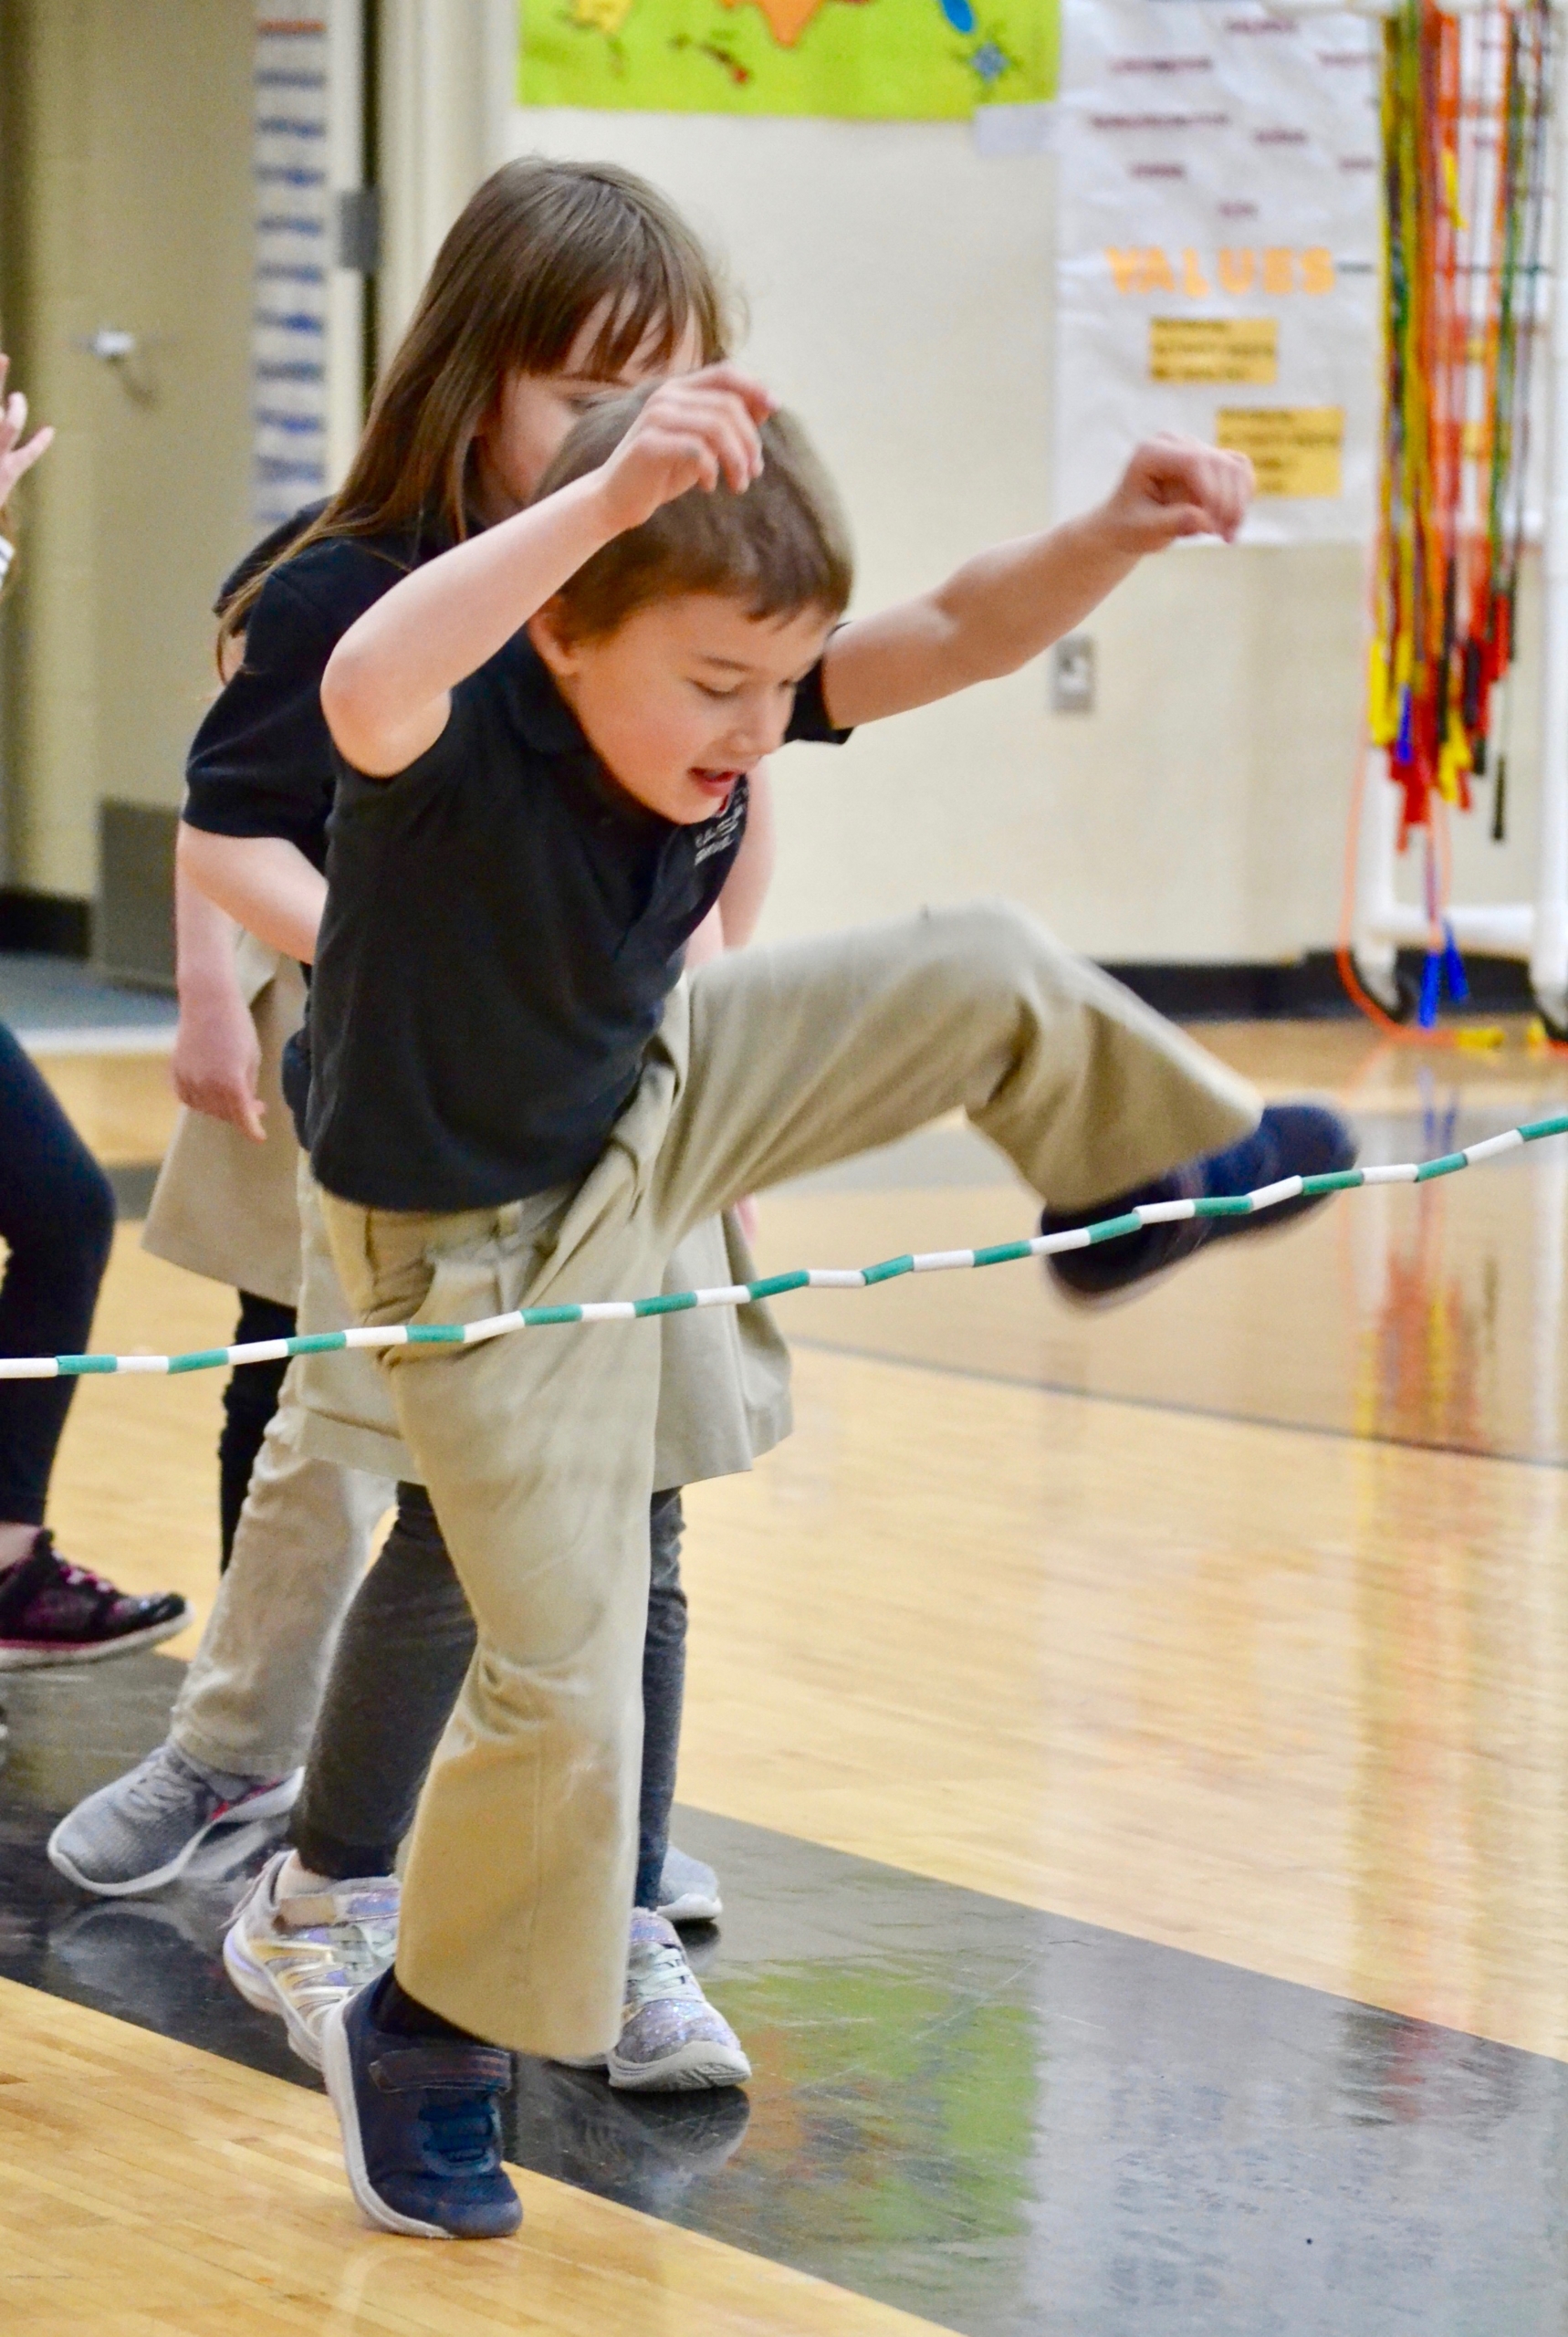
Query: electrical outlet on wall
x: 1072, y: 675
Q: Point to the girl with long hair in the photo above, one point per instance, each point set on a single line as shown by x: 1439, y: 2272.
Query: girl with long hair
x: 559, y: 284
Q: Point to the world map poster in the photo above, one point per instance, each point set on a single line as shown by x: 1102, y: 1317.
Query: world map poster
x: 867, y: 61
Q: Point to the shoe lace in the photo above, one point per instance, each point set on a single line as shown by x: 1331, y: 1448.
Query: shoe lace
x: 45, y: 1556
x: 460, y: 2128
x: 660, y: 1969
x: 367, y: 1947
x: 163, y: 1782
x: 84, y: 1578
x: 359, y: 1950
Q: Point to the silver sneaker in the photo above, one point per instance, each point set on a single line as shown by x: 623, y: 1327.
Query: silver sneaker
x: 297, y: 1956
x: 688, y: 1891
x: 672, y: 2041
x: 144, y: 1829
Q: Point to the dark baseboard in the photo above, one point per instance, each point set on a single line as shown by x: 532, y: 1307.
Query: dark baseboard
x: 132, y: 1183
x: 51, y: 924
x: 1305, y: 989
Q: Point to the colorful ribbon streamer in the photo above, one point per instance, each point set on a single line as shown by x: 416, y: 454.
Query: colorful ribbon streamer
x: 1466, y: 116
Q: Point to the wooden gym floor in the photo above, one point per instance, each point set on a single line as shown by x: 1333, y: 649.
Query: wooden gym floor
x: 1137, y: 1752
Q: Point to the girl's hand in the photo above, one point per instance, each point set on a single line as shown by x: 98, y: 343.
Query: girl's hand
x: 16, y: 459
x: 217, y: 1061
x: 693, y: 432
x: 1173, y: 487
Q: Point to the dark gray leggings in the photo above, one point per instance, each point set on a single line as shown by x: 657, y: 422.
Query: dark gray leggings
x: 405, y: 1646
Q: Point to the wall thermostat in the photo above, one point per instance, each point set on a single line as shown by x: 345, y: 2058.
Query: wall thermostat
x: 1072, y: 675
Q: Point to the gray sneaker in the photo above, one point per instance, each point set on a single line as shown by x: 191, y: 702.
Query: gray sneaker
x: 672, y: 2041
x: 145, y: 1828
x: 688, y: 1891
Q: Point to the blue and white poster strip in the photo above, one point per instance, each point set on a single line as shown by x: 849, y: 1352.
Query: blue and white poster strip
x: 293, y: 256
x: 1219, y: 241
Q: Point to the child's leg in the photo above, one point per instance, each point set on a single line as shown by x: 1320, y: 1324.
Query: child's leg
x: 250, y: 1698
x: 250, y: 1399
x: 406, y: 1644
x: 538, y: 1460
x: 315, y: 1927
x: 242, y: 1723
x: 56, y: 1219
x: 408, y: 1636
x: 536, y: 1449
x: 804, y: 1055
x: 346, y: 1398
x: 402, y: 1657
x: 664, y: 1694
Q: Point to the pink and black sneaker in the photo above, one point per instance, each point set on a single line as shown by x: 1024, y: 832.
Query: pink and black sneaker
x: 54, y: 1612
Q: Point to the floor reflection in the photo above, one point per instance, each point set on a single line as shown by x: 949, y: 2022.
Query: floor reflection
x: 996, y: 2119
x: 1296, y: 1701
x: 1431, y: 1315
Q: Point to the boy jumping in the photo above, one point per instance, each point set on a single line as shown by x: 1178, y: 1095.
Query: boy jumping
x: 544, y: 737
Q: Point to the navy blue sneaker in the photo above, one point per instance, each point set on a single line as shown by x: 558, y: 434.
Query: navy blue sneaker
x: 1290, y: 1140
x: 422, y: 2132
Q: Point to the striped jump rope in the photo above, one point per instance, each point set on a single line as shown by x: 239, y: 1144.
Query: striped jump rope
x: 743, y: 1294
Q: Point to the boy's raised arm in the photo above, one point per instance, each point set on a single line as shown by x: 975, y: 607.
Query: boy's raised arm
x: 746, y: 887
x: 386, y: 692
x: 1005, y: 606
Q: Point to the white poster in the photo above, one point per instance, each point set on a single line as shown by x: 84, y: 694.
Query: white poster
x: 1218, y: 253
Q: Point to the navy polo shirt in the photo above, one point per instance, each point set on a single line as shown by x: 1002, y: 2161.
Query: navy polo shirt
x: 503, y: 926
x: 261, y: 764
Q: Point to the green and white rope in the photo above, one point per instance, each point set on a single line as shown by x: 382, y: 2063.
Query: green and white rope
x: 932, y: 1261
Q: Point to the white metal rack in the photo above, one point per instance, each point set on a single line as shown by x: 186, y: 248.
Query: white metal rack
x: 1536, y: 930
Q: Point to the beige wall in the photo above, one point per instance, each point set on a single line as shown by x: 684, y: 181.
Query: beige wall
x: 900, y: 291
x: 128, y: 169
x: 899, y: 288
x: 447, y: 68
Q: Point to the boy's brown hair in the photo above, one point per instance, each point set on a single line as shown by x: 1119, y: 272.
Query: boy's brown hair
x: 538, y: 250
x: 781, y: 547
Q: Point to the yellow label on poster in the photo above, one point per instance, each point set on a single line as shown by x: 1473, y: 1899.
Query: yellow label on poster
x: 1214, y: 349
x: 1295, y: 449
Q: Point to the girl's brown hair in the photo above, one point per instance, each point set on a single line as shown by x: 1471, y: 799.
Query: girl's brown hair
x: 537, y: 251
x: 781, y: 547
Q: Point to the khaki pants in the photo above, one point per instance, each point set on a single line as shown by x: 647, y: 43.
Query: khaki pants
x: 249, y: 1214
x: 537, y: 1449
x: 328, y: 1471
x: 224, y: 1205
x: 724, y: 1386
x: 249, y: 1700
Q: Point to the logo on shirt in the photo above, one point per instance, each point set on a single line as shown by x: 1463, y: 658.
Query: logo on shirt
x: 721, y: 833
